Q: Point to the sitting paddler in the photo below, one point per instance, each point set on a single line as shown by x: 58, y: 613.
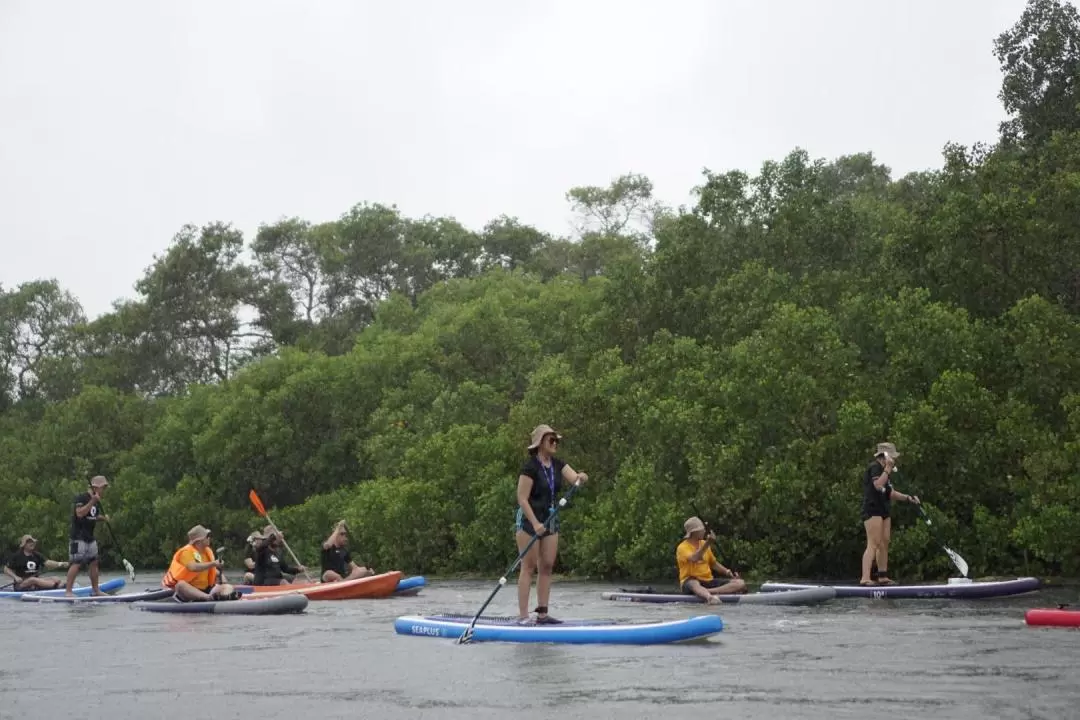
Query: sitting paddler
x: 337, y: 563
x: 697, y: 564
x: 25, y: 566
x: 270, y: 565
x: 195, y: 574
x: 249, y: 556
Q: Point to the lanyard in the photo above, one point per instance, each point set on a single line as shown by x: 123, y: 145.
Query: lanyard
x: 549, y: 473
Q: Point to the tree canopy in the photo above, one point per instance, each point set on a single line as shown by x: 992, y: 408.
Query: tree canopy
x: 739, y: 358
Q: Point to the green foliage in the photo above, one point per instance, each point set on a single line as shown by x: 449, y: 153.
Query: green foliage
x: 738, y: 359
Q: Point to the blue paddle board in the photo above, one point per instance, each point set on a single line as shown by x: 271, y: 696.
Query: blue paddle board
x: 607, y: 632
x: 114, y: 584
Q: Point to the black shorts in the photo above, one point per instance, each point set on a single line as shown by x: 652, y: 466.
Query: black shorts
x: 520, y: 523
x: 868, y: 513
x: 708, y: 584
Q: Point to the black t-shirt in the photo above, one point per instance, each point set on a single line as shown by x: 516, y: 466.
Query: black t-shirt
x: 25, y: 565
x: 270, y: 567
x: 337, y: 559
x: 542, y: 497
x: 82, y: 528
x: 876, y: 502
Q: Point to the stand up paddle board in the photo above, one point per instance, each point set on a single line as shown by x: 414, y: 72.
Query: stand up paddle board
x: 608, y: 632
x: 806, y: 596
x: 959, y: 588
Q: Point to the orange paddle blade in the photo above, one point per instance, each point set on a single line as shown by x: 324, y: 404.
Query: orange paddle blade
x: 257, y: 503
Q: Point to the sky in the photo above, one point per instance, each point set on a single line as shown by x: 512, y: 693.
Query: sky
x: 123, y: 120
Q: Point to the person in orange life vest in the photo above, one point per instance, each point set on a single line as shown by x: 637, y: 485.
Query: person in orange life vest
x: 194, y: 572
x: 337, y: 563
x: 697, y: 566
x: 23, y: 567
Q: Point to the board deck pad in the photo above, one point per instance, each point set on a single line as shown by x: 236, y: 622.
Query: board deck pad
x: 513, y: 620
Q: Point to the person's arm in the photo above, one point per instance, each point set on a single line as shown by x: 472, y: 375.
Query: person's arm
x: 84, y: 510
x: 524, y: 487
x: 11, y: 574
x: 55, y: 565
x: 572, y: 476
x: 190, y: 564
x: 703, y: 548
x: 897, y: 495
x: 717, y: 567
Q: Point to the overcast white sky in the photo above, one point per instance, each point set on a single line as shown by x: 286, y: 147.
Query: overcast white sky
x: 121, y: 120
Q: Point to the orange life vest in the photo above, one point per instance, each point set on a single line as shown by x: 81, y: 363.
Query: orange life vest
x: 178, y: 570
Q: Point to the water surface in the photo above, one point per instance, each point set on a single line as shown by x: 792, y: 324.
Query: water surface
x: 843, y: 659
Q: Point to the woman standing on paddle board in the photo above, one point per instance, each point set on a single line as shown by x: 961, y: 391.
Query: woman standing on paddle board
x: 878, y: 494
x: 539, y: 484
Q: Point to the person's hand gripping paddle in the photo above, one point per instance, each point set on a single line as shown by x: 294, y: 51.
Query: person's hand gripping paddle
x: 261, y: 509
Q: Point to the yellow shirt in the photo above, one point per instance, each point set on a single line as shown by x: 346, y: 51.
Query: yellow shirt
x: 700, y: 570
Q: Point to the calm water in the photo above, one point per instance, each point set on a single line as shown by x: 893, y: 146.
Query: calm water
x: 844, y: 659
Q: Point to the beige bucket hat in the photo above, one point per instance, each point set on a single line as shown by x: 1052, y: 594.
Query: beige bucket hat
x: 693, y: 525
x: 886, y: 447
x: 538, y: 435
x: 198, y: 533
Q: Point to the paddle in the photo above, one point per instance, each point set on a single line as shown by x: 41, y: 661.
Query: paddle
x: 130, y: 568
x: 708, y: 529
x: 259, y: 508
x: 958, y: 561
x: 467, y: 635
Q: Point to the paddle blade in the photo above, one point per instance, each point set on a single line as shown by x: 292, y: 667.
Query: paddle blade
x: 254, y: 498
x: 958, y: 561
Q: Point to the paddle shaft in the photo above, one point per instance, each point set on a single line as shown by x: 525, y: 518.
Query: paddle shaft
x: 127, y: 565
x: 465, y: 636
x: 958, y: 561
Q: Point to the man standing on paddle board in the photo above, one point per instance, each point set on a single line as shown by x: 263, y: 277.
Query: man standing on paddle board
x: 878, y: 494
x: 539, y: 484
x: 698, y: 566
x: 85, y: 515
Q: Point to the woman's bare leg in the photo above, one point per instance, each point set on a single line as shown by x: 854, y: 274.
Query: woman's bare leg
x: 882, y: 554
x: 873, y: 541
x: 549, y: 550
x: 525, y: 573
